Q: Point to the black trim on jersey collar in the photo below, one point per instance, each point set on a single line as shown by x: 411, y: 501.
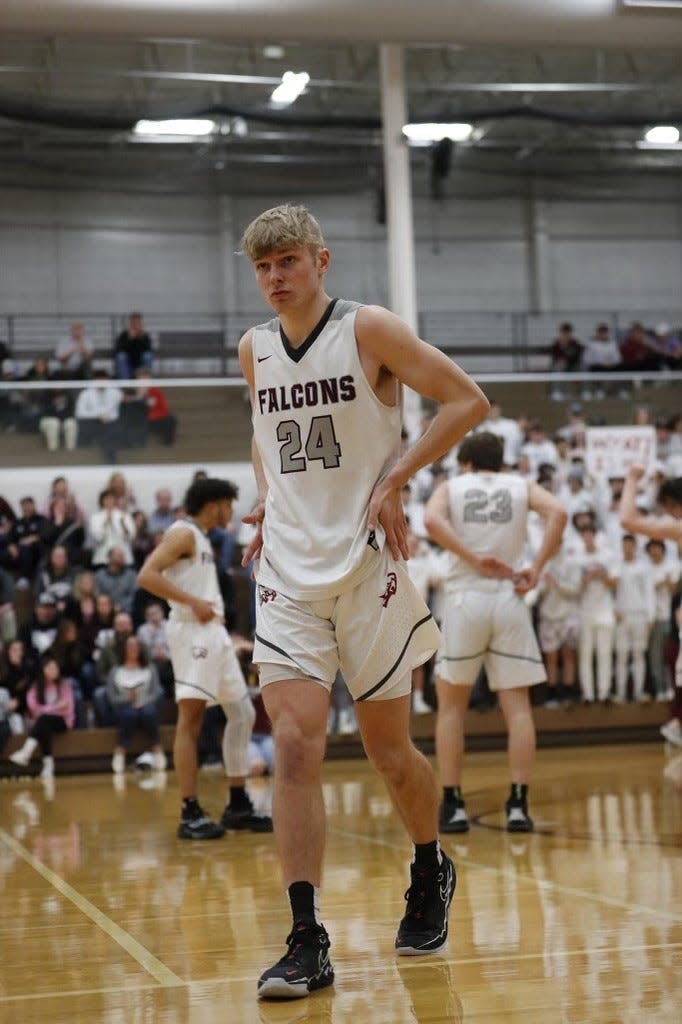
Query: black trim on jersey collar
x: 296, y: 354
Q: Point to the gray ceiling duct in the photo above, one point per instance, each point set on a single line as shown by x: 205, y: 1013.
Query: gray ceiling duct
x: 604, y: 23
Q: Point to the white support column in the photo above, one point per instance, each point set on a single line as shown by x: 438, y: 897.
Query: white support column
x: 228, y: 240
x: 539, y: 268
x: 398, y: 186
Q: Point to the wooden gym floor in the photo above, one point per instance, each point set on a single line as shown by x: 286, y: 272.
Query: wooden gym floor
x: 106, y: 916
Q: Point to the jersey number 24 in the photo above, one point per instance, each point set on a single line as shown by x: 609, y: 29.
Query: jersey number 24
x: 321, y: 444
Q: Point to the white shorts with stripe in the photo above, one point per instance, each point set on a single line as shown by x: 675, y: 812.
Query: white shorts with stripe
x: 490, y: 628
x: 204, y: 662
x: 375, y: 634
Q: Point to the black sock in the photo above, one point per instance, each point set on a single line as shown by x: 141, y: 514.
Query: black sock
x: 427, y: 855
x: 239, y: 799
x: 518, y: 793
x: 302, y: 900
x: 190, y: 808
x: 452, y: 795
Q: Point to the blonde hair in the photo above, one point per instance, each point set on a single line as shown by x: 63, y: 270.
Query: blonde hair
x: 279, y: 228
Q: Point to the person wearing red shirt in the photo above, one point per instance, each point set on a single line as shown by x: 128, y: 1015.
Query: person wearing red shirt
x: 160, y: 420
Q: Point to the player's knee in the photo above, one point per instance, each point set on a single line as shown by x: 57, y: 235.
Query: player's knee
x: 299, y: 755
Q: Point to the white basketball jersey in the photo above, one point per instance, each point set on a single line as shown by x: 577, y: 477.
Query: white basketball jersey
x: 325, y: 439
x: 489, y: 514
x: 196, y: 575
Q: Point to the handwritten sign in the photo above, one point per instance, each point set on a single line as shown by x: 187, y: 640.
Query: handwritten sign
x: 610, y: 451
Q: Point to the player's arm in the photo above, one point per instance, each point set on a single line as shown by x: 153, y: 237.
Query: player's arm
x: 257, y: 514
x: 177, y: 544
x: 439, y: 528
x: 631, y: 519
x: 388, y: 343
x: 554, y: 518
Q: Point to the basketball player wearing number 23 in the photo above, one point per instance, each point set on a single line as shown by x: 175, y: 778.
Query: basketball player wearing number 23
x: 333, y: 591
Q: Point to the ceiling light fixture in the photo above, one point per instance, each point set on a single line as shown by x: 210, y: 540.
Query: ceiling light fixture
x: 662, y: 135
x: 425, y: 134
x: 290, y: 88
x: 176, y: 126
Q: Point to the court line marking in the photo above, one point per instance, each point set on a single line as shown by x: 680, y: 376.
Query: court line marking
x: 541, y: 883
x: 403, y: 963
x: 132, y: 947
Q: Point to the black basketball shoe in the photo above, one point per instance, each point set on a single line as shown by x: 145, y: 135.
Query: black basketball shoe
x: 199, y: 827
x: 453, y: 817
x: 424, y: 928
x: 245, y: 818
x: 305, y: 968
x: 518, y: 819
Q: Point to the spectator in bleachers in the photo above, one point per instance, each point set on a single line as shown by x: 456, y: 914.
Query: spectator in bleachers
x: 59, y: 488
x: 163, y: 516
x: 58, y: 422
x: 638, y: 351
x: 666, y: 576
x: 574, y: 495
x: 40, y: 632
x: 67, y: 528
x: 96, y: 630
x: 602, y: 355
x: 152, y: 634
x: 506, y: 428
x: 143, y: 541
x: 594, y: 566
x: 8, y: 619
x: 669, y: 345
x: 18, y: 666
x: 538, y: 449
x: 110, y: 527
x: 29, y: 539
x: 662, y: 426
x: 123, y: 493
x: 56, y: 577
x: 565, y: 355
x: 74, y: 354
x: 109, y: 655
x: 160, y: 420
x: 574, y: 429
x: 73, y: 663
x: 133, y: 692
x: 635, y: 607
x: 133, y: 348
x: 97, y: 410
x: 51, y: 708
x: 117, y: 579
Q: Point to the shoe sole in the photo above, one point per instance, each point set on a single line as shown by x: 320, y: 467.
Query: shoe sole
x: 194, y: 837
x: 457, y: 828
x: 416, y: 951
x: 244, y: 825
x: 278, y: 988
x: 520, y: 826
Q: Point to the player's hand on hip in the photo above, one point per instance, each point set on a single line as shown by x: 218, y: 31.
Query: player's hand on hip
x: 386, y: 509
x: 525, y: 580
x: 203, y: 610
x: 494, y: 569
x: 254, y: 518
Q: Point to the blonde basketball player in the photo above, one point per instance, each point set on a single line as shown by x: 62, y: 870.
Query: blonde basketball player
x: 333, y: 590
x: 480, y: 516
x: 181, y: 570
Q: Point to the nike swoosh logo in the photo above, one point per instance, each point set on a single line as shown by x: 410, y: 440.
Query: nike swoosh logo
x: 261, y: 359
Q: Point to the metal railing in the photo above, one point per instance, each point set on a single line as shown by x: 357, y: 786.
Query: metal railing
x: 485, y: 341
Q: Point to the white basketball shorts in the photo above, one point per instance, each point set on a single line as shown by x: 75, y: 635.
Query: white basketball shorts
x: 204, y: 662
x: 375, y: 634
x: 490, y: 628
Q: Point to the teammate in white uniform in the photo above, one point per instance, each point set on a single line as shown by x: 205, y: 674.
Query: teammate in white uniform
x: 668, y: 527
x: 181, y: 570
x: 333, y: 589
x: 481, y: 517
